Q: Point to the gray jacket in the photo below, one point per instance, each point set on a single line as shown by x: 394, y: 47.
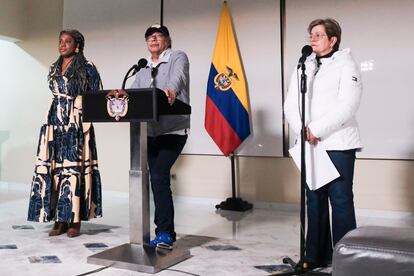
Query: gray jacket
x: 173, y: 73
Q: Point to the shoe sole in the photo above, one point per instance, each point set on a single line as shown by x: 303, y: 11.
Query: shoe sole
x: 163, y: 245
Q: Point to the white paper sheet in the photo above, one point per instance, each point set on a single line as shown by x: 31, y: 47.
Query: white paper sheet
x: 319, y: 168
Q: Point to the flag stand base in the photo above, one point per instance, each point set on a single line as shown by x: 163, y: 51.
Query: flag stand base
x: 234, y: 204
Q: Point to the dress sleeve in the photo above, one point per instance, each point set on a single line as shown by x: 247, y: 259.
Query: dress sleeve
x: 94, y: 79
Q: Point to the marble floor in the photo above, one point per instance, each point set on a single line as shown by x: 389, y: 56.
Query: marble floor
x: 220, y: 242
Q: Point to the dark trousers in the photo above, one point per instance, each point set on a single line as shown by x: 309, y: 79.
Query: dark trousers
x: 319, y: 244
x: 163, y: 151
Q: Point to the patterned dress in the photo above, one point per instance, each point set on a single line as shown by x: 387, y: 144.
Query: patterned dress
x: 66, y: 185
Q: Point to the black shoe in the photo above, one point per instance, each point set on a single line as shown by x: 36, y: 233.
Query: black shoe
x: 307, y: 266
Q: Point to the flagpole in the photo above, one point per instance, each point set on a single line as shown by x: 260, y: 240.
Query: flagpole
x: 227, y: 107
x: 234, y: 203
x: 233, y: 176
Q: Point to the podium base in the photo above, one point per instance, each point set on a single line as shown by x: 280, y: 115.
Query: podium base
x: 139, y: 258
x: 234, y: 204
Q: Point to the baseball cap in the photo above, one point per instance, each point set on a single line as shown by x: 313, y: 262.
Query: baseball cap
x: 157, y: 28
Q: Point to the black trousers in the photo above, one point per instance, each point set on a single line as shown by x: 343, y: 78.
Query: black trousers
x: 163, y: 151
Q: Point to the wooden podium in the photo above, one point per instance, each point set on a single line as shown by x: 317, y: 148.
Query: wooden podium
x: 144, y: 105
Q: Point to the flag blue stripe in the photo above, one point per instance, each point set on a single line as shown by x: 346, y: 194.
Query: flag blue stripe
x: 230, y: 106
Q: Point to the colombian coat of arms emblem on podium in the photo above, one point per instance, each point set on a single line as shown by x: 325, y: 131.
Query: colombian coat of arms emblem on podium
x: 117, y: 103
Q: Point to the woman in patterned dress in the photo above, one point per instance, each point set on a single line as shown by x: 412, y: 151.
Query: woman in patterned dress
x: 66, y: 185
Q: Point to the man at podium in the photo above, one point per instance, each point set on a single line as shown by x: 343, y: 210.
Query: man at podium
x: 167, y: 70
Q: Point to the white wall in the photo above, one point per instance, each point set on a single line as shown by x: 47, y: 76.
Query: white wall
x: 114, y: 35
x: 13, y: 19
x: 127, y: 22
x: 379, y: 34
x: 23, y: 87
x: 379, y: 184
x: 258, y: 39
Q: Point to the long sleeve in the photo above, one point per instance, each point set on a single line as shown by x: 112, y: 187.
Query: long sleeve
x: 94, y: 79
x: 179, y: 72
x: 292, y: 103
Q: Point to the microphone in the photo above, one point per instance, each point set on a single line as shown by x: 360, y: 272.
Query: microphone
x: 306, y: 51
x: 135, y: 68
x: 140, y: 64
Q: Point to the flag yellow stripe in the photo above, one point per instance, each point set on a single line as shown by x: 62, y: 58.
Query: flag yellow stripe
x: 226, y: 54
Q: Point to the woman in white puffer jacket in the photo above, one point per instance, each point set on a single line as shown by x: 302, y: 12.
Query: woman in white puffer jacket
x: 334, y: 93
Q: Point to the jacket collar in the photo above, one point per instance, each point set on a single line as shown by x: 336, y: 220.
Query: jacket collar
x: 326, y: 60
x: 164, y: 57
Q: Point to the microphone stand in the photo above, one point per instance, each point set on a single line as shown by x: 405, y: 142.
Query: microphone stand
x: 300, y: 268
x: 134, y: 67
x: 154, y: 72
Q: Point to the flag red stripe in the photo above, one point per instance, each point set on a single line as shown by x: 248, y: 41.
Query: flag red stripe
x: 219, y: 129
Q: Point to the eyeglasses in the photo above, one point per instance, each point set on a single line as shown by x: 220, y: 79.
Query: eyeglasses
x: 154, y: 37
x: 315, y: 37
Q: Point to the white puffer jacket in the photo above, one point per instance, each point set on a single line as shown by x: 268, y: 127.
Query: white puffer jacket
x: 333, y: 97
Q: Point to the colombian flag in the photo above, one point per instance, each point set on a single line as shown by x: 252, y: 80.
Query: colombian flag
x: 227, y: 105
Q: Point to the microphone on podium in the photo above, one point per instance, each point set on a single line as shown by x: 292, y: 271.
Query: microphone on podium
x: 135, y: 68
x: 140, y: 64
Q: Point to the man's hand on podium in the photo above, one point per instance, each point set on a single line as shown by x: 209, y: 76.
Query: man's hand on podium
x: 171, y: 94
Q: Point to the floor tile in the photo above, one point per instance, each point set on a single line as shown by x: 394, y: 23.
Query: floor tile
x: 221, y: 242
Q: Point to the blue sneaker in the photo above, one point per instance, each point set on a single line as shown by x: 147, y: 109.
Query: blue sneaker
x: 162, y: 240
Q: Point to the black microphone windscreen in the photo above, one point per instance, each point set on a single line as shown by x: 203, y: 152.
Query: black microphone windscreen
x: 142, y: 63
x: 307, y: 50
